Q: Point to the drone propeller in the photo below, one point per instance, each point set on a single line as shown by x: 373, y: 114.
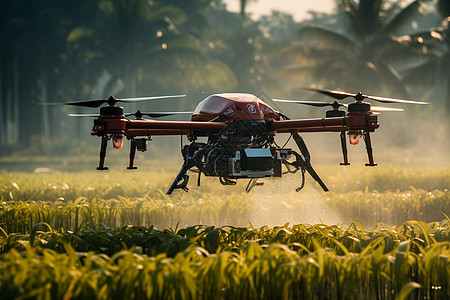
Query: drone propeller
x: 112, y: 101
x: 336, y: 105
x: 384, y: 109
x: 140, y: 114
x: 359, y: 96
x: 84, y: 115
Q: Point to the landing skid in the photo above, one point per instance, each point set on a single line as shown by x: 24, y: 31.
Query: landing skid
x: 252, y: 183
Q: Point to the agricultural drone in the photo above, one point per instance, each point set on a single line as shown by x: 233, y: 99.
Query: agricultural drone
x: 232, y: 135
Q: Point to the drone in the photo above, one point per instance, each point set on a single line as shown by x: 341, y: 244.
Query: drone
x: 232, y: 135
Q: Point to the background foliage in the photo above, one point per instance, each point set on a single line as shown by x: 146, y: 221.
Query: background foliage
x: 55, y: 51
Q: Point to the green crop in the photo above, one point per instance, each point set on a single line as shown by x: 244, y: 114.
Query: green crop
x: 259, y: 272
x: 69, y: 200
x: 162, y: 212
x: 117, y: 235
x: 302, y: 238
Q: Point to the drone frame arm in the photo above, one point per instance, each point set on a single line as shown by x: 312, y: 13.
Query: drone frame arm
x: 151, y: 132
x: 175, y: 125
x: 311, y: 125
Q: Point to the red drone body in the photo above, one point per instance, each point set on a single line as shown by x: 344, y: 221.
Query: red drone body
x: 230, y: 107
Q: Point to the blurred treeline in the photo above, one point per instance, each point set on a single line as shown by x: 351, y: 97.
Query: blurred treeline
x: 61, y: 50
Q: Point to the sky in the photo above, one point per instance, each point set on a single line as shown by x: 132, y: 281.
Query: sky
x: 298, y: 8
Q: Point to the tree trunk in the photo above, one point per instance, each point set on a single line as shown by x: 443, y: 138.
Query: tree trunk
x: 243, y: 5
x: 15, y: 123
x: 447, y: 106
x: 45, y: 110
x: 9, y: 117
x: 2, y: 113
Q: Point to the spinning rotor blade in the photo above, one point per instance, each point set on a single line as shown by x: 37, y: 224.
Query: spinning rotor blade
x: 140, y: 114
x: 335, y: 94
x: 393, y: 100
x: 85, y: 103
x: 383, y: 109
x: 312, y: 103
x: 359, y: 96
x: 84, y: 115
x: 130, y: 100
x: 111, y: 101
x: 336, y: 105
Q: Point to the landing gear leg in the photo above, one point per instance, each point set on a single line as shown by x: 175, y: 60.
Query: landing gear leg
x: 132, y: 155
x: 182, y: 178
x: 307, y: 164
x: 369, y: 149
x: 101, y: 164
x: 344, y: 149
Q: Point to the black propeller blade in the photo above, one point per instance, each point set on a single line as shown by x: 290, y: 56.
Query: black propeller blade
x: 140, y: 114
x: 84, y: 115
x: 359, y: 96
x: 336, y: 105
x: 112, y: 101
x: 383, y: 109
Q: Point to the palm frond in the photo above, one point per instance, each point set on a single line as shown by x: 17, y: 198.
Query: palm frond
x: 179, y: 41
x: 391, y: 80
x: 443, y: 72
x: 355, y: 75
x: 368, y: 18
x: 326, y: 36
x: 443, y: 7
x: 347, y: 6
x: 327, y: 71
x: 403, y: 17
x: 397, y: 51
x: 78, y: 33
x: 307, y: 54
x: 191, y: 68
x: 174, y: 14
x: 220, y: 76
x: 297, y: 73
x: 423, y: 74
x: 348, y: 10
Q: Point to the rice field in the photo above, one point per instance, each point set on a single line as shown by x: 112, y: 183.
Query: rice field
x: 90, y: 235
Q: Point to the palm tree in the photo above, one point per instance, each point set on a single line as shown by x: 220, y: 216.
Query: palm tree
x: 434, y: 71
x: 243, y: 6
x: 140, y: 43
x: 362, y: 57
x: 12, y: 30
x: 36, y: 35
x: 443, y: 8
